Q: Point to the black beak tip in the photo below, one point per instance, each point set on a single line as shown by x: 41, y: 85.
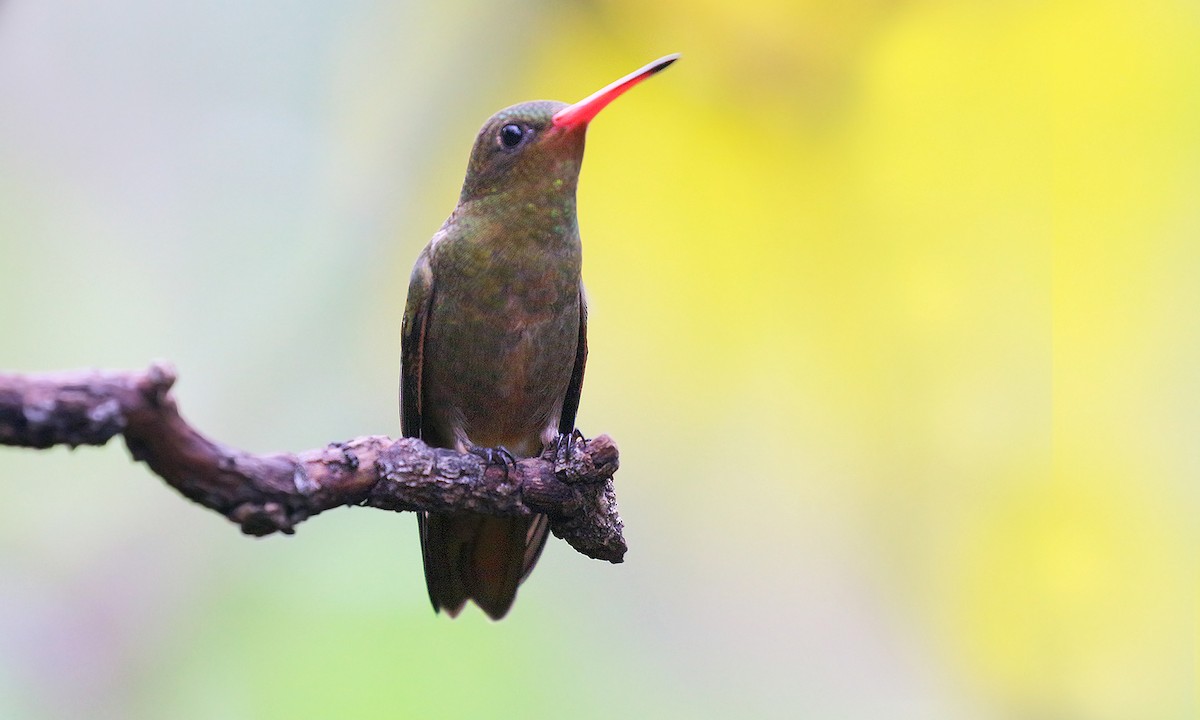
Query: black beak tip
x: 663, y: 63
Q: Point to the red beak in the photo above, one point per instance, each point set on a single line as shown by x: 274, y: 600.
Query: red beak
x: 582, y: 112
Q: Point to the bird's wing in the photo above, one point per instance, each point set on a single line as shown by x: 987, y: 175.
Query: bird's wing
x: 412, y: 344
x: 566, y: 421
x: 413, y: 330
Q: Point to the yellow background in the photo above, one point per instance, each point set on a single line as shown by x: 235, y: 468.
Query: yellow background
x: 893, y: 317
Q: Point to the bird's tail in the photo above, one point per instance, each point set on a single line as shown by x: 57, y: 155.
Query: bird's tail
x: 478, y: 557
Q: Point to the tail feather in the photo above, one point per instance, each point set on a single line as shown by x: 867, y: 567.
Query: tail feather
x: 438, y: 549
x: 478, y: 557
x: 535, y: 541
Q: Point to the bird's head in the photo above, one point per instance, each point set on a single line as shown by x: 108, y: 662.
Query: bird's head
x: 539, y: 144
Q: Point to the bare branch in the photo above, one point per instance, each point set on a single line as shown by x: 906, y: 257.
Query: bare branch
x: 268, y: 493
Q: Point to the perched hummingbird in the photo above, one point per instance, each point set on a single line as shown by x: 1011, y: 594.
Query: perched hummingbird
x: 494, y: 337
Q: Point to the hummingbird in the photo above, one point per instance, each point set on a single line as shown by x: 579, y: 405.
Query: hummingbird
x: 494, y: 335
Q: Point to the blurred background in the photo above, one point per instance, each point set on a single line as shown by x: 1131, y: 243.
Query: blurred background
x: 893, y: 317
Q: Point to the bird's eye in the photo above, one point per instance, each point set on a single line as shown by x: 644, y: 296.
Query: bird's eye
x: 510, y: 135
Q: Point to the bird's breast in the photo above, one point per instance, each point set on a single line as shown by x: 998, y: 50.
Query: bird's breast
x: 500, y: 350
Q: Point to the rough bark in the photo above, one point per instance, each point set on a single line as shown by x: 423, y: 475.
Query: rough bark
x: 272, y: 493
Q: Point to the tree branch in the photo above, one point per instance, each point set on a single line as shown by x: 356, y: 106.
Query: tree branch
x: 268, y: 493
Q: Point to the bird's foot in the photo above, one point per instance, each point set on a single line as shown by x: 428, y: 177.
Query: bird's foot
x: 494, y: 456
x: 561, y: 446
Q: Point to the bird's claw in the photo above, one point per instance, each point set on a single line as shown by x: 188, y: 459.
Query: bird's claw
x: 564, y: 443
